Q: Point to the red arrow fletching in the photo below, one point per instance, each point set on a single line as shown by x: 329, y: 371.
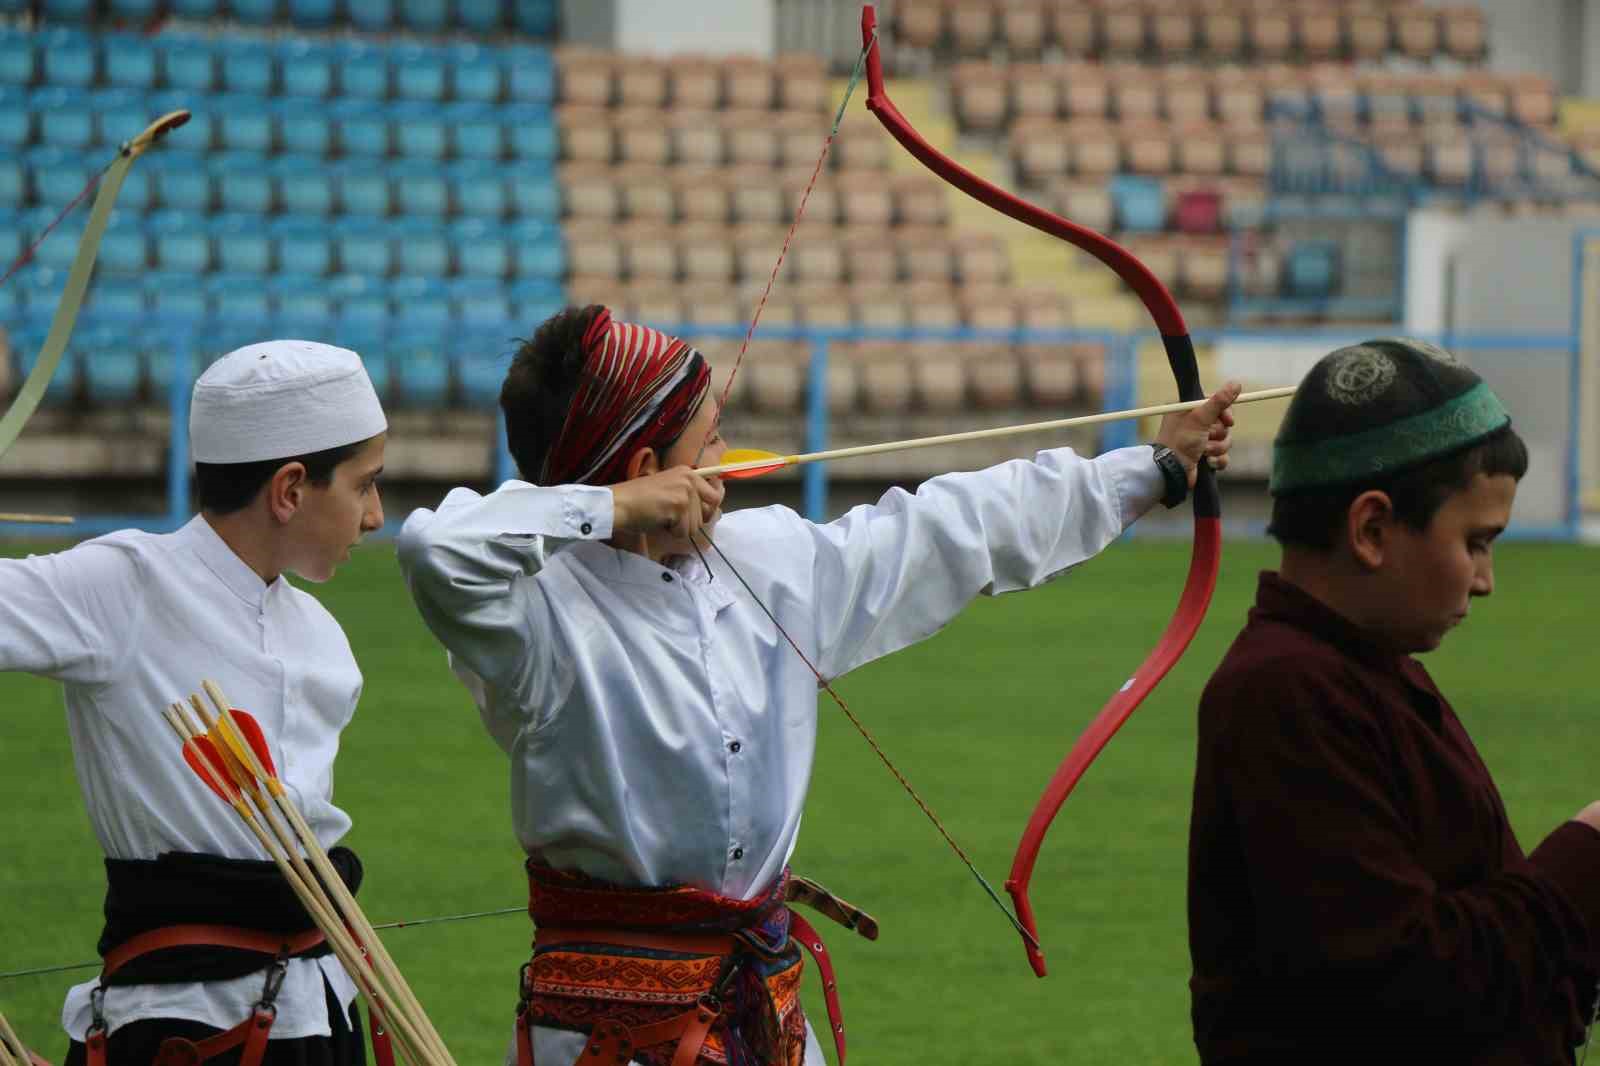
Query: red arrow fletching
x: 254, y: 737
x: 207, y: 763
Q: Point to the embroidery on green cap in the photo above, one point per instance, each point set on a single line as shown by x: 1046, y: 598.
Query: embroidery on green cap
x: 1455, y: 424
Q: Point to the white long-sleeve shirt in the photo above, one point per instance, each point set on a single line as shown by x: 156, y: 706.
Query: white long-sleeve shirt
x: 660, y: 730
x: 133, y: 621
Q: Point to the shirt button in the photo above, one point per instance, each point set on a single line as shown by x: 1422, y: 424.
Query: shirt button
x: 738, y: 853
x: 667, y: 578
x: 586, y: 529
x: 734, y: 747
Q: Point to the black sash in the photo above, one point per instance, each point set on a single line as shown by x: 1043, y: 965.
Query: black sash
x: 185, y: 888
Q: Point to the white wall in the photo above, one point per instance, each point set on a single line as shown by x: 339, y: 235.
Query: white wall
x: 704, y: 27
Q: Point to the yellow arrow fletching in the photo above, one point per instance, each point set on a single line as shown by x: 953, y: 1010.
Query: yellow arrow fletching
x: 771, y: 461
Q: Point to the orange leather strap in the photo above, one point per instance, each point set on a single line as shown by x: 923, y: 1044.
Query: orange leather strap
x: 547, y: 936
x: 809, y: 939
x: 221, y: 936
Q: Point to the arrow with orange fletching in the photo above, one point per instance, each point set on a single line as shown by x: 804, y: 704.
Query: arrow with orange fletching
x: 752, y: 462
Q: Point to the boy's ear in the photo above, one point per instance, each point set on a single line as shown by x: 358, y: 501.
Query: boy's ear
x: 1369, y: 525
x: 286, y: 491
x: 643, y: 463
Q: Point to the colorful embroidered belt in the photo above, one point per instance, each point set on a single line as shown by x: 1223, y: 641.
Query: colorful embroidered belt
x: 676, y: 976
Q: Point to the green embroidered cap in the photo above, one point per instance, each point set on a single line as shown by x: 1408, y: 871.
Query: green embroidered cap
x: 1376, y: 408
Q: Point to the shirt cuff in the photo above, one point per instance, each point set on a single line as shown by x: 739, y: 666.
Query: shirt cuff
x: 588, y: 512
x: 1570, y: 859
x: 1135, y: 479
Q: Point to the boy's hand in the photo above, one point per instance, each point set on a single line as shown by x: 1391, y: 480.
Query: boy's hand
x: 677, y: 501
x: 1202, y: 433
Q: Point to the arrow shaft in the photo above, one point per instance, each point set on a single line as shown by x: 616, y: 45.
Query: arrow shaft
x: 981, y: 434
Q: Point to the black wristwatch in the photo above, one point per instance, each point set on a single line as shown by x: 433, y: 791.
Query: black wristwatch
x: 1173, y: 473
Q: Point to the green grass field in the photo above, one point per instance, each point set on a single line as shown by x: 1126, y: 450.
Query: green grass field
x: 977, y: 718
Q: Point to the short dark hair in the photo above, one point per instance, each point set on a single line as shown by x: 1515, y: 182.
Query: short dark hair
x: 1313, y: 518
x: 539, y: 387
x: 228, y: 487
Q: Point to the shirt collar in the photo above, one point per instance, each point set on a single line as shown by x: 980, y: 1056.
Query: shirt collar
x: 1283, y: 601
x: 221, y: 560
x: 630, y: 568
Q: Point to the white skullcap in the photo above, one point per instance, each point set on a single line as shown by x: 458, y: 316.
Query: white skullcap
x: 279, y: 399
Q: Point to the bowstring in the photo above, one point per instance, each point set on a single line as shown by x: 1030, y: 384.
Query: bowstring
x: 27, y: 253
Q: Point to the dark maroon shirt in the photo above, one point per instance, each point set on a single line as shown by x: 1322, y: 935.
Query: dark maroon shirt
x: 1356, y: 893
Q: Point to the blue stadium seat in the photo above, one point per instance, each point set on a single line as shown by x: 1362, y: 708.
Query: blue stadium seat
x: 314, y: 13
x: 481, y: 250
x: 176, y: 296
x: 481, y: 16
x: 305, y: 127
x: 118, y: 114
x: 189, y: 62
x: 480, y: 302
x: 13, y: 182
x: 260, y: 12
x: 1139, y: 203
x: 67, y: 10
x: 129, y: 61
x: 300, y: 298
x: 65, y: 119
x: 479, y: 189
x: 478, y: 133
x: 11, y: 309
x: 422, y: 247
x: 1311, y: 270
x: 249, y: 67
x: 16, y: 121
x: 181, y: 179
x: 421, y: 304
x: 531, y: 133
x: 303, y: 247
x: 363, y: 71
x: 119, y: 296
x: 242, y: 243
x: 419, y: 73
x: 11, y: 240
x: 429, y: 16
x: 196, y: 9
x: 422, y: 372
x: 124, y: 249
x: 363, y: 127
x: 138, y: 190
x: 58, y: 176
x: 534, y: 301
x: 41, y: 289
x: 244, y: 123
x: 243, y: 182
x: 19, y: 61
x: 375, y: 357
x: 69, y: 58
x: 359, y: 301
x: 242, y: 300
x: 541, y: 255
x: 364, y: 247
x: 306, y: 187
x: 531, y: 75
x: 61, y: 247
x: 535, y: 195
x: 481, y: 376
x: 476, y: 75
x: 373, y: 16
x: 537, y: 18
x: 307, y: 68
x: 420, y: 189
x: 134, y: 11
x: 364, y: 187
x: 420, y: 130
x: 199, y: 134
x: 181, y: 242
x: 63, y: 385
x: 113, y: 372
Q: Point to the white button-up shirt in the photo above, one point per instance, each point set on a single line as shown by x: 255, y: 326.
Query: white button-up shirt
x: 133, y: 621
x: 660, y: 730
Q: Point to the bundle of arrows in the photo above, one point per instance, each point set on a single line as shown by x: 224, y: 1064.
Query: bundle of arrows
x: 12, y: 1051
x: 229, y: 752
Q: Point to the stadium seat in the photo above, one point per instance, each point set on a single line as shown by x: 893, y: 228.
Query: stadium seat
x: 196, y: 135
x: 300, y: 299
x: 364, y: 247
x: 248, y: 67
x: 363, y: 71
x: 69, y: 58
x: 19, y: 61
x: 420, y: 130
x: 475, y: 72
x: 1140, y: 203
x: 196, y: 9
x: 1312, y: 269
x: 65, y: 118
x: 305, y: 185
x: 313, y: 13
x: 123, y: 250
x: 420, y: 189
x: 480, y: 302
x: 57, y: 176
x: 16, y: 121
x: 419, y: 73
x: 481, y: 250
x: 259, y: 12
x: 243, y: 182
x: 120, y: 296
x: 63, y: 384
x: 478, y: 130
x: 481, y: 16
x: 181, y: 242
x: 537, y: 18
x: 373, y: 16
x: 363, y: 128
x: 242, y: 244
x: 478, y: 189
x: 1198, y: 211
x: 244, y: 123
x: 189, y: 63
x: 428, y: 16
x: 41, y: 290
x: 531, y: 133
x: 113, y: 372
x: 422, y: 247
x: 540, y: 253
x: 358, y: 300
x: 421, y: 304
x: 535, y: 195
x: 241, y: 300
x: 375, y: 357
x: 480, y: 374
x: 129, y: 61
x: 307, y: 68
x: 422, y: 374
x: 176, y: 296
x: 531, y: 75
x: 363, y: 187
x: 534, y: 301
x: 59, y: 249
x: 12, y: 238
x: 304, y: 248
x: 306, y: 131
